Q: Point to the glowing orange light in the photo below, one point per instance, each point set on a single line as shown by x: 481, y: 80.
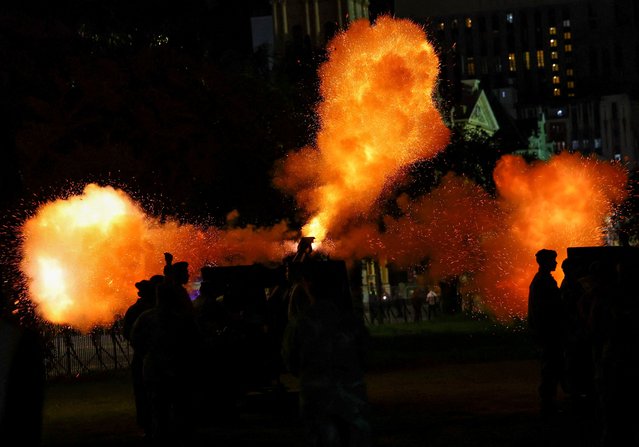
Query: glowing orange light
x: 377, y: 116
x: 83, y: 255
x: 555, y: 205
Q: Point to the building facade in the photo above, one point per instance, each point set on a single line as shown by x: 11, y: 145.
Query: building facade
x: 575, y: 61
x: 314, y: 20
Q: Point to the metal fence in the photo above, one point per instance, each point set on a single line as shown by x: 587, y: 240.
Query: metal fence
x: 71, y: 354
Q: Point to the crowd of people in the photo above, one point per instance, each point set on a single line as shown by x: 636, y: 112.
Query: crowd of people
x: 190, y: 358
x: 386, y: 308
x: 199, y: 357
x: 587, y: 334
x: 193, y: 359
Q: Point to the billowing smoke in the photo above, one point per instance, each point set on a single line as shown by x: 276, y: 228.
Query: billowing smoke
x: 83, y: 255
x: 377, y: 116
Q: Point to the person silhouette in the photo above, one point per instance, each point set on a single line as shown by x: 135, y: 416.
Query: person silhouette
x: 168, y: 337
x: 22, y: 375
x: 431, y: 300
x: 146, y: 293
x: 324, y: 345
x: 546, y: 324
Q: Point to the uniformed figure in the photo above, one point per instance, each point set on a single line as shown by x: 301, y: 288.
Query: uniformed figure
x: 546, y: 323
x: 146, y: 301
x: 168, y: 337
x: 324, y: 346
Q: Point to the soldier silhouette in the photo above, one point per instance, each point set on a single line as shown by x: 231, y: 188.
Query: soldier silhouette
x: 546, y: 322
x: 324, y: 345
x: 146, y: 301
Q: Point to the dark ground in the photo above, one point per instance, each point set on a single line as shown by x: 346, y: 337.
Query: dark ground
x: 426, y: 389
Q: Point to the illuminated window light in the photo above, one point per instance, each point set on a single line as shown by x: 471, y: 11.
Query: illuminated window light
x: 553, y: 42
x: 469, y: 22
x: 470, y: 66
x: 554, y: 55
x: 512, y: 62
x: 552, y: 31
x: 570, y: 72
x: 566, y: 23
x: 555, y: 67
x: 540, y: 58
x: 568, y: 48
x: 570, y: 84
x: 556, y: 92
x: 509, y: 17
x: 442, y: 26
x: 567, y: 35
x: 527, y: 60
x: 555, y: 80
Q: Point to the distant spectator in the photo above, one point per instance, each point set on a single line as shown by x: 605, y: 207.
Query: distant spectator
x: 417, y: 300
x: 432, y: 300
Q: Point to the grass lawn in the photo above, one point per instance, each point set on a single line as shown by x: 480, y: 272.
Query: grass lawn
x: 456, y: 339
x: 451, y: 382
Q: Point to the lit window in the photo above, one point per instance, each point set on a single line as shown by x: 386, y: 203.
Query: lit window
x: 442, y: 26
x: 556, y: 92
x: 509, y: 17
x: 570, y: 84
x: 552, y: 31
x: 555, y: 79
x: 570, y: 72
x: 567, y: 35
x: 470, y: 66
x: 469, y: 22
x: 566, y: 23
x: 527, y: 60
x: 553, y: 42
x: 555, y: 67
x: 568, y: 48
x: 554, y: 55
x: 540, y: 58
x: 512, y: 62
x: 571, y: 94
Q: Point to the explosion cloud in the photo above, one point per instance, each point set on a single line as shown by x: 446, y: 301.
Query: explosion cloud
x: 447, y: 227
x: 83, y: 255
x: 555, y: 205
x: 377, y: 116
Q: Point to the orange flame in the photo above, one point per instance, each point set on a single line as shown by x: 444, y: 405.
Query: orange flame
x: 83, y: 255
x: 554, y: 205
x: 377, y: 116
x: 446, y: 226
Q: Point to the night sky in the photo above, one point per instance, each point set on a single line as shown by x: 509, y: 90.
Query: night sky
x: 164, y: 99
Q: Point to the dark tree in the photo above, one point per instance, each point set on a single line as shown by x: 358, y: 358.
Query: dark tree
x: 148, y: 96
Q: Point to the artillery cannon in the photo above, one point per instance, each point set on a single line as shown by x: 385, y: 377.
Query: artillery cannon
x: 257, y: 301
